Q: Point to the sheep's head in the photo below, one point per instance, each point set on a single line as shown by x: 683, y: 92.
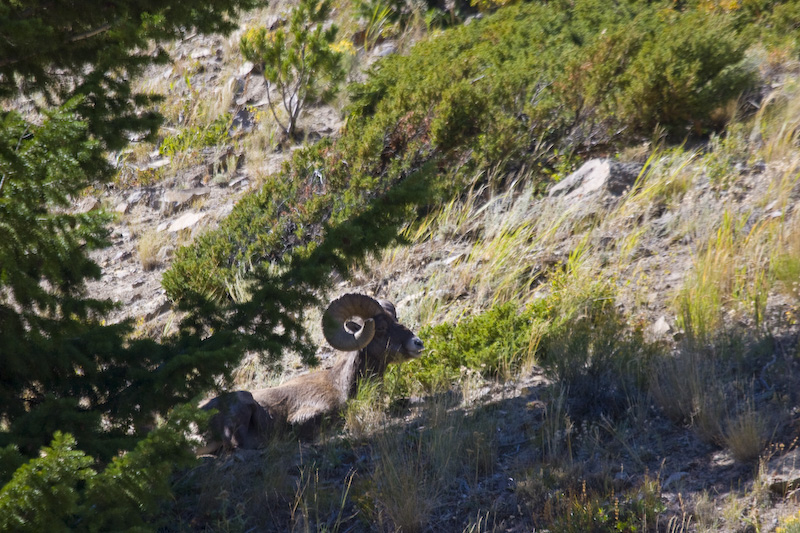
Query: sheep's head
x: 379, y: 335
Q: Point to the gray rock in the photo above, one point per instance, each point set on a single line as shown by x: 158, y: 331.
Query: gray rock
x: 136, y: 196
x: 176, y: 200
x: 122, y: 255
x: 255, y: 90
x: 200, y: 53
x: 90, y: 203
x: 159, y: 309
x: 597, y: 177
x: 243, y: 121
x: 661, y: 327
x: 240, y: 182
x: 384, y: 49
x: 165, y: 254
x: 783, y: 473
x: 236, y: 86
x: 158, y: 163
x: 246, y: 68
x: 188, y: 220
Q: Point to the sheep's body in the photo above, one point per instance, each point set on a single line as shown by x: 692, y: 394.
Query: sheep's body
x: 302, y: 401
x: 239, y: 423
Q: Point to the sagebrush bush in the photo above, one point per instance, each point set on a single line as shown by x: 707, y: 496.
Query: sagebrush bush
x: 575, y: 332
x: 517, y: 87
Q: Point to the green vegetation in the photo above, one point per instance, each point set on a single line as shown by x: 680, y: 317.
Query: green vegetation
x: 63, y: 490
x: 483, y: 98
x: 197, y: 137
x: 790, y: 525
x: 445, y: 151
x: 300, y: 62
x: 636, y: 510
x: 69, y: 378
x: 574, y: 333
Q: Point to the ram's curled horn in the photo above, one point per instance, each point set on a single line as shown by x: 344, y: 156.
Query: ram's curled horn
x: 342, y: 309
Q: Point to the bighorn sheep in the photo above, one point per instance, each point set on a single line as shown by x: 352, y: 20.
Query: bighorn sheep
x: 245, y: 417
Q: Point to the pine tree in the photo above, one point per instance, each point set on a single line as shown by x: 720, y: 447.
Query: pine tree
x: 301, y: 62
x: 61, y: 367
x: 93, y: 48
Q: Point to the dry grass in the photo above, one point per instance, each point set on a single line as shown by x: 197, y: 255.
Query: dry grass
x: 746, y: 434
x: 410, y: 476
x: 150, y: 244
x: 492, y: 248
x: 731, y: 273
x: 776, y: 126
x: 786, y: 259
x: 708, y: 391
x: 416, y: 468
x: 365, y: 413
x: 316, y: 507
x: 557, y: 430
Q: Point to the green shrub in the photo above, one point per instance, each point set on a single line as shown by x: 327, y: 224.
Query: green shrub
x: 196, y: 137
x: 494, y: 343
x: 634, y: 510
x: 10, y: 460
x: 690, y: 66
x: 576, y: 333
x: 43, y: 494
x: 790, y: 524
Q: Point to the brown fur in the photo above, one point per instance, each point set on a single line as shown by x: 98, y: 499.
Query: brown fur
x: 303, y: 401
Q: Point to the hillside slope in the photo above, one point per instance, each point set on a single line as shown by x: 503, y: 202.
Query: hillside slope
x: 617, y: 356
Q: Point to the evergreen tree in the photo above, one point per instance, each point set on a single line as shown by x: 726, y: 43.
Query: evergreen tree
x: 61, y: 367
x: 93, y: 48
x: 301, y: 62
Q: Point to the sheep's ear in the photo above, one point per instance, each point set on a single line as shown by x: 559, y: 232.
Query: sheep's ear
x: 388, y: 307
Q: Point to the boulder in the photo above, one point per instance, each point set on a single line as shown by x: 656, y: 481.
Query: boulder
x: 255, y: 90
x: 157, y: 163
x: 243, y: 121
x: 188, y: 220
x: 661, y: 327
x: 597, y: 177
x: 90, y: 203
x: 176, y: 200
x: 245, y: 70
x: 783, y: 473
x: 199, y: 53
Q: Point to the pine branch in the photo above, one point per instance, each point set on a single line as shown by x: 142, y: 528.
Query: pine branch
x: 74, y: 39
x: 16, y: 149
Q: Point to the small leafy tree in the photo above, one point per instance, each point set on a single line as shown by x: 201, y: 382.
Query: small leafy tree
x: 300, y: 62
